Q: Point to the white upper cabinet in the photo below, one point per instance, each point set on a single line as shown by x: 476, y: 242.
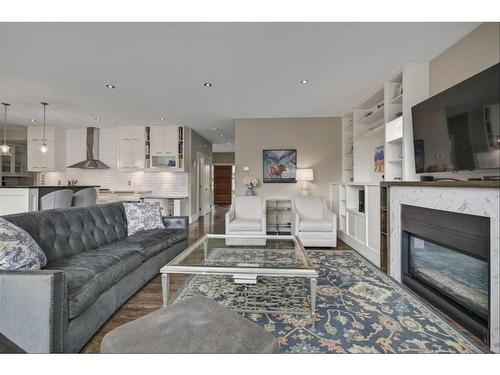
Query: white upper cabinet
x: 164, y: 140
x: 55, y: 157
x: 131, y: 147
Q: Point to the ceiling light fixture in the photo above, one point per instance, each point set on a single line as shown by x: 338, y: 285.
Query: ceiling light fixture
x: 207, y: 84
x: 216, y: 128
x: 162, y: 118
x: 304, y: 81
x: 32, y: 120
x: 228, y: 143
x: 97, y: 119
x: 4, y: 147
x: 221, y: 135
x: 109, y: 86
x: 44, y: 148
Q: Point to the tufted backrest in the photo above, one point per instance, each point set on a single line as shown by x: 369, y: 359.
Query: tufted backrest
x: 66, y: 232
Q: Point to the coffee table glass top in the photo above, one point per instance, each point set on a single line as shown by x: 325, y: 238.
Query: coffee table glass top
x: 250, y: 253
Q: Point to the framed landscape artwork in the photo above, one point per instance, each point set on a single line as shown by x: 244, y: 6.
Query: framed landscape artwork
x: 279, y: 166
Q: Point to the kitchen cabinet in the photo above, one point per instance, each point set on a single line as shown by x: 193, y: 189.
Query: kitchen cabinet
x: 164, y: 140
x: 55, y: 157
x: 14, y: 165
x: 131, y: 147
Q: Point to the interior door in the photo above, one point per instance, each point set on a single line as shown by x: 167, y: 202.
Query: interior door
x: 222, y: 184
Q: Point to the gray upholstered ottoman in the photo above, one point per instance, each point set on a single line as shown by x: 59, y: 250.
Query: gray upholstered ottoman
x: 196, y: 325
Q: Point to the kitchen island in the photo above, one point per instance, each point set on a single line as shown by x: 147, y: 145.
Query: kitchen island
x: 17, y: 199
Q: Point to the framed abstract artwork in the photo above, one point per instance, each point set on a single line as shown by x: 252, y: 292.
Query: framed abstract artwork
x: 379, y: 159
x: 279, y: 166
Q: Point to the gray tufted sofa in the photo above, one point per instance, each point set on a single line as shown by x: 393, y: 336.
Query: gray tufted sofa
x: 92, y: 268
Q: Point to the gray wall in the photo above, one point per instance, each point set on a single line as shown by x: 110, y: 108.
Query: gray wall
x: 197, y: 144
x: 318, y: 142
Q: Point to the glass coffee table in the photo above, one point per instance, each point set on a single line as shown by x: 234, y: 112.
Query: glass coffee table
x: 244, y: 260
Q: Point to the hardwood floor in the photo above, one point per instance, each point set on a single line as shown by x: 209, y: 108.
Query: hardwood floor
x: 148, y: 298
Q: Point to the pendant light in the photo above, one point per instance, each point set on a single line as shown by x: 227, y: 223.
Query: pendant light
x: 4, y: 147
x: 44, y: 148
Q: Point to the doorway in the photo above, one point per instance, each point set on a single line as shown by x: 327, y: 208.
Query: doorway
x: 223, y: 184
x: 203, y: 184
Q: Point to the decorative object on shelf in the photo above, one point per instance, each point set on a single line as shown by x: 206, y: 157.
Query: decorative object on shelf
x: 280, y: 166
x: 379, y: 159
x: 44, y: 148
x: 251, y: 183
x: 4, y: 147
x: 305, y: 175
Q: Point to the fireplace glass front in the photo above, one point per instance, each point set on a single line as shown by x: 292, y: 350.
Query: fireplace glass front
x: 462, y: 278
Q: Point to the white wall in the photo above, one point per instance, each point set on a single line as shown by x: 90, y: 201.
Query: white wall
x: 163, y: 183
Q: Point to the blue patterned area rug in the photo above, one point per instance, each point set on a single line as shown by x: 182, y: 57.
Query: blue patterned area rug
x: 359, y: 310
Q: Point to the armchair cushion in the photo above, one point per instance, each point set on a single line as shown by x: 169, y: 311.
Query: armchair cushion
x: 251, y: 207
x: 316, y: 226
x: 309, y: 208
x: 245, y: 225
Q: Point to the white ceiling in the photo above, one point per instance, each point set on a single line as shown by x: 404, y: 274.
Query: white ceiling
x: 159, y: 69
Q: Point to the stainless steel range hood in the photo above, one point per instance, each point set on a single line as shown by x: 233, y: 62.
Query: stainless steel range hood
x: 92, y: 161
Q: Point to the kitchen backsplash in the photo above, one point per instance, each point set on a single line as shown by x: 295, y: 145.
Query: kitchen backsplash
x: 162, y: 183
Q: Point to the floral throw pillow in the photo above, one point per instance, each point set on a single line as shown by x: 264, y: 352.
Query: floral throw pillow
x: 142, y: 217
x: 18, y: 250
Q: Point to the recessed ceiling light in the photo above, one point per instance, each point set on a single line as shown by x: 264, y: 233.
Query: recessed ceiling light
x: 207, y: 84
x: 221, y: 135
x: 228, y: 143
x: 110, y: 86
x: 97, y: 119
x: 304, y: 81
x: 162, y: 118
x: 32, y: 120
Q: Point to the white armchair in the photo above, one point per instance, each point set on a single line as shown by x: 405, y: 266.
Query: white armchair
x: 246, y: 217
x: 313, y: 222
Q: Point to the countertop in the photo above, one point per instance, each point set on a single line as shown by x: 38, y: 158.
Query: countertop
x: 445, y: 183
x: 164, y: 197
x: 49, y: 186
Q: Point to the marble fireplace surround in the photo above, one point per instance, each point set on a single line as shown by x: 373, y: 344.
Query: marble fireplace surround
x: 466, y: 200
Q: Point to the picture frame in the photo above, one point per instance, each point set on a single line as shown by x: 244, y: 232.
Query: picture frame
x: 279, y: 166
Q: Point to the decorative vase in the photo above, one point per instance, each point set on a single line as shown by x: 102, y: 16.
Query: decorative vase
x: 250, y: 191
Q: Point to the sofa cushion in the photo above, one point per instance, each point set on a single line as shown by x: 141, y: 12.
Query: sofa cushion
x: 142, y: 217
x: 245, y: 225
x: 151, y: 242
x: 316, y: 226
x: 91, y: 273
x: 67, y: 232
x: 18, y: 251
x: 309, y: 208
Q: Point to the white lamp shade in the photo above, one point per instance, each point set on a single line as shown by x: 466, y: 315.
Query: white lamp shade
x: 305, y: 174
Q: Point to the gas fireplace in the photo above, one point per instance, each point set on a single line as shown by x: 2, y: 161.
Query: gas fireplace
x: 446, y: 260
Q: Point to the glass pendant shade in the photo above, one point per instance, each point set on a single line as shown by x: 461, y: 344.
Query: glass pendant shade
x: 44, y: 148
x: 4, y: 147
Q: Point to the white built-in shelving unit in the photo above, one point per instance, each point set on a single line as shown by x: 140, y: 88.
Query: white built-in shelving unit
x: 383, y: 118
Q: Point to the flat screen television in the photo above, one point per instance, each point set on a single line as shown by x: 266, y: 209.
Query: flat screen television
x: 458, y: 129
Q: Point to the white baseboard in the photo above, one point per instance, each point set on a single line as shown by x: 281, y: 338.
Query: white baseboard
x: 371, y: 254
